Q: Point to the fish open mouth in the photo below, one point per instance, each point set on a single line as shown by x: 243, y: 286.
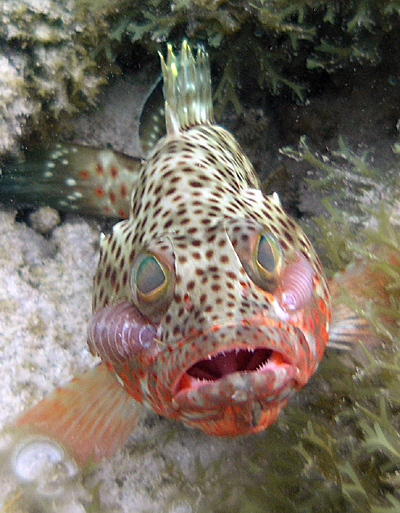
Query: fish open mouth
x: 241, y: 362
x: 226, y: 362
x: 220, y: 365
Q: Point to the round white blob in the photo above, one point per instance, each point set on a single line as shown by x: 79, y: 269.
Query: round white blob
x: 44, y: 465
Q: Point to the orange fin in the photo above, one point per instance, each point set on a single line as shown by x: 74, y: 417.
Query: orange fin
x: 359, y: 298
x: 92, y: 416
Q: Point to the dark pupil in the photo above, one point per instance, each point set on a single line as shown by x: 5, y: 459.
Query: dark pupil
x: 149, y: 275
x: 265, y: 257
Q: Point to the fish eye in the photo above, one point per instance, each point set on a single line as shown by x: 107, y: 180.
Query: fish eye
x: 149, y: 276
x: 260, y: 254
x: 268, y: 257
x: 152, y: 284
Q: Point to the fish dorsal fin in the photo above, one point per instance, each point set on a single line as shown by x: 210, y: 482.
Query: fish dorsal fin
x: 187, y: 88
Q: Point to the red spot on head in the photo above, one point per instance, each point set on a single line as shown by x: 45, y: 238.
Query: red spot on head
x: 99, y: 191
x: 122, y: 214
x: 123, y: 190
x: 133, y: 388
x: 112, y: 196
x: 324, y: 333
x: 113, y: 171
x: 106, y: 209
x: 84, y: 174
x: 99, y: 169
x: 113, y: 278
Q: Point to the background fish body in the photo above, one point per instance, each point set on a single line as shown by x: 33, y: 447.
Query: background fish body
x: 226, y: 294
x: 72, y: 178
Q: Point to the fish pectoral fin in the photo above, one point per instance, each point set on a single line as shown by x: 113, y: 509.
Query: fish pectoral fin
x: 349, y: 329
x: 359, y: 299
x: 91, y: 417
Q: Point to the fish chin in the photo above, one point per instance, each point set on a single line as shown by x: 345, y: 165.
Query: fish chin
x: 258, y: 367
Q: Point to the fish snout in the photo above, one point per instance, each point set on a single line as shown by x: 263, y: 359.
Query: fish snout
x: 246, y: 379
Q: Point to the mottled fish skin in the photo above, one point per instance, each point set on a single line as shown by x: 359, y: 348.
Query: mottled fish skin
x: 72, y: 178
x: 230, y: 290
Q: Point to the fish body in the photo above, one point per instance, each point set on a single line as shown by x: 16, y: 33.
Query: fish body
x: 226, y: 286
x: 210, y: 305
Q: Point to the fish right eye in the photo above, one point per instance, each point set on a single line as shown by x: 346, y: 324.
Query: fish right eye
x: 149, y: 277
x: 152, y: 283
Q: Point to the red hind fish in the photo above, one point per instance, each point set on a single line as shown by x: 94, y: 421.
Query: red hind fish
x: 210, y: 305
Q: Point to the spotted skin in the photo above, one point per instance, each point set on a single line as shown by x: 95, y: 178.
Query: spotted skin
x: 230, y: 346
x: 73, y: 178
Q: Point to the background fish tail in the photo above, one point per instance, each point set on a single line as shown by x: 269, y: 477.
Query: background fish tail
x: 91, y: 417
x: 71, y: 178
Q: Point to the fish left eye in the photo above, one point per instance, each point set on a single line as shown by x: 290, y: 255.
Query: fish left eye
x: 260, y: 254
x: 152, y: 285
x: 265, y: 261
x: 268, y: 256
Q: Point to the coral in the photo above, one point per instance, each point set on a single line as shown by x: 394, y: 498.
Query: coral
x: 59, y: 54
x: 47, y: 63
x: 15, y: 105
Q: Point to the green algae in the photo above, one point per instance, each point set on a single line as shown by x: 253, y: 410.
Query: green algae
x: 57, y: 56
x: 360, y: 444
x: 336, y: 446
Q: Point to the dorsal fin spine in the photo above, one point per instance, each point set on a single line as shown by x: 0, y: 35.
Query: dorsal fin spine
x: 187, y: 88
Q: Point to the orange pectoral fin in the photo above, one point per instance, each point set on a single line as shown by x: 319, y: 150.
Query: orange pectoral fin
x: 92, y: 416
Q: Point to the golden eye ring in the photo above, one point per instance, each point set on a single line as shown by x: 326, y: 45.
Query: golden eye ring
x: 259, y: 252
x: 149, y: 277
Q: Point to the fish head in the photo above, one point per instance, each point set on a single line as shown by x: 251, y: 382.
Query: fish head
x: 237, y: 316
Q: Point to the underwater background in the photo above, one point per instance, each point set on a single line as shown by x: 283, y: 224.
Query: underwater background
x: 311, y: 90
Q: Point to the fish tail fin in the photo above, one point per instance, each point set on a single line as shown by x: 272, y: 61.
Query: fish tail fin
x: 91, y: 417
x: 71, y: 178
x: 187, y: 88
x: 360, y: 297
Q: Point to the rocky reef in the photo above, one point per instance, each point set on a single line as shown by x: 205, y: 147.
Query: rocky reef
x: 56, y: 56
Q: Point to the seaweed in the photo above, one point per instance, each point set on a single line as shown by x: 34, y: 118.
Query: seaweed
x: 59, y: 55
x: 354, y: 446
